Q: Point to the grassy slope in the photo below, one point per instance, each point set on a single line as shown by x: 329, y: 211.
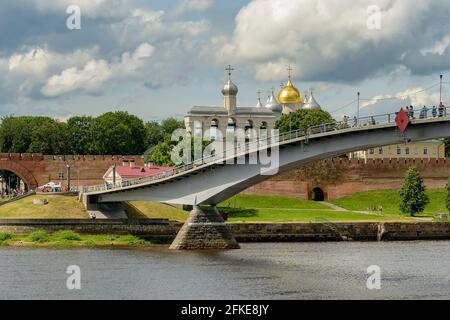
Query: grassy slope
x: 143, y: 210
x: 390, y: 200
x: 58, y: 207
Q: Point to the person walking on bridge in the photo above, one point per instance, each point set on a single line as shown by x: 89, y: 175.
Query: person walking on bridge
x: 424, y: 113
x: 434, y: 111
x: 411, y: 112
x: 441, y: 110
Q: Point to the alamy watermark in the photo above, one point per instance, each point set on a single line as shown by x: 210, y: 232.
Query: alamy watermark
x: 238, y: 146
x: 374, y: 17
x: 74, y: 280
x: 73, y: 22
x: 374, y: 280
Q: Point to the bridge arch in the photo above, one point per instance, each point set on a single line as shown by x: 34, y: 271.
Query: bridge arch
x: 20, y: 171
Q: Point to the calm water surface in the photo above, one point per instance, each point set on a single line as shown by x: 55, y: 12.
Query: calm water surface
x: 413, y: 270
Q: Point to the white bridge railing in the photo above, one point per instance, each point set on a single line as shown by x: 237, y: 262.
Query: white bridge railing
x: 273, y: 141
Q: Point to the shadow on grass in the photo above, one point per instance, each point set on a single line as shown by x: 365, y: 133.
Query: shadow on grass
x: 238, y: 212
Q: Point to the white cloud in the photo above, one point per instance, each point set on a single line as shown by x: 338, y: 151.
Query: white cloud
x: 92, y: 77
x: 193, y: 5
x: 417, y: 96
x: 330, y: 39
x: 38, y: 61
x: 91, y: 8
x: 438, y: 48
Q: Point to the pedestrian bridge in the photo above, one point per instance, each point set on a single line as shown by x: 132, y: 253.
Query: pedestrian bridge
x: 215, y: 179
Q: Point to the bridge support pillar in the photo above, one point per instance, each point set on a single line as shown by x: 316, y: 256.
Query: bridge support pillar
x: 204, y: 229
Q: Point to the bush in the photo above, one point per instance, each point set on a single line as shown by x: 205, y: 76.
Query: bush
x: 39, y: 236
x: 68, y: 235
x: 5, y: 236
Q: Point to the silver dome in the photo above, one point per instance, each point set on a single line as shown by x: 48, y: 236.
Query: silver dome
x: 230, y: 89
x: 312, y: 103
x: 259, y: 104
x: 273, y: 104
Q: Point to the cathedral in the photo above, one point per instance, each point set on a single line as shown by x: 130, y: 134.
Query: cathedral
x: 261, y: 117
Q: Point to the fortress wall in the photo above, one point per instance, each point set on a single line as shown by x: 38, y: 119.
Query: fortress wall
x: 47, y: 168
x: 355, y: 175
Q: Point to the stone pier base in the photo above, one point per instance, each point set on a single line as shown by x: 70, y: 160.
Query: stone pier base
x: 204, y: 229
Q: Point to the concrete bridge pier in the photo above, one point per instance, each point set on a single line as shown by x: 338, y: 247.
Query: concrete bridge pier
x: 204, y: 229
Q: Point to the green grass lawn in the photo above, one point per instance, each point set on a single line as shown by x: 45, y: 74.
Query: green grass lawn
x: 69, y: 239
x: 153, y: 210
x: 390, y: 200
x: 254, y: 208
x: 273, y: 215
x: 266, y: 202
x: 58, y: 207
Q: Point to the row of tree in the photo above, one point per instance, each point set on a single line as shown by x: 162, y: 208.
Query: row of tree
x: 117, y: 133
x: 110, y: 133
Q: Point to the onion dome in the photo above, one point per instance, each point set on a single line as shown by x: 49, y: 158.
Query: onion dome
x: 312, y: 103
x: 258, y: 102
x: 290, y: 94
x: 273, y: 104
x: 230, y: 89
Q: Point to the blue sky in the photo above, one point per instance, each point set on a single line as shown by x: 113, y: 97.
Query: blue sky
x: 158, y: 58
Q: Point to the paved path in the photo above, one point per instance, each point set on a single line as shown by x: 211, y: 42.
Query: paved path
x: 333, y: 206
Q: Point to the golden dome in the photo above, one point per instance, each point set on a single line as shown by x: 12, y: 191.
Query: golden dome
x: 290, y: 94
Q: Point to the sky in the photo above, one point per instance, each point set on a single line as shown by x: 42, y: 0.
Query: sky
x: 158, y: 58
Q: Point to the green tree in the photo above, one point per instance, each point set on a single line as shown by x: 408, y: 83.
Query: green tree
x: 447, y: 146
x: 15, y: 134
x: 302, y: 119
x: 412, y: 194
x: 161, y: 154
x: 169, y: 125
x: 79, y: 134
x: 447, y: 204
x: 48, y: 136
x: 33, y: 134
x: 154, y: 134
x: 118, y: 133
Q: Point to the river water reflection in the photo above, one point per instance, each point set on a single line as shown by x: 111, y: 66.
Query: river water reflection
x: 414, y: 270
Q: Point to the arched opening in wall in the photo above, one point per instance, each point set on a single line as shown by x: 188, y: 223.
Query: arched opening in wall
x: 263, y: 130
x: 213, y: 130
x: 318, y: 194
x: 248, y: 130
x: 11, y: 184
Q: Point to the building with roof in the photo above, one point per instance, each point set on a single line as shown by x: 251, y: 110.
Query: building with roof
x: 261, y: 117
x: 429, y: 149
x: 129, y: 171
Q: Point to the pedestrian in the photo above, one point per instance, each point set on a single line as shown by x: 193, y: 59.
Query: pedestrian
x: 322, y: 128
x: 411, y: 112
x: 441, y: 110
x: 434, y: 111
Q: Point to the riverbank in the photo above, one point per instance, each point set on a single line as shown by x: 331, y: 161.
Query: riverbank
x: 88, y: 233
x: 70, y: 239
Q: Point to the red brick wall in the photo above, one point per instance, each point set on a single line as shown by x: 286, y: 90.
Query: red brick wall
x: 356, y: 176
x: 39, y: 169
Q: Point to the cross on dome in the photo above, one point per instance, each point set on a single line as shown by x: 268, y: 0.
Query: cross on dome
x: 229, y: 69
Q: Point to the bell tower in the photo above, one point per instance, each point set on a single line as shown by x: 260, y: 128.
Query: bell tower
x: 230, y: 91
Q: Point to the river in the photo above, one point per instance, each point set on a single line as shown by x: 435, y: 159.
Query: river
x: 409, y: 270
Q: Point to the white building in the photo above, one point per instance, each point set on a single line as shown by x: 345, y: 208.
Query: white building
x: 260, y: 118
